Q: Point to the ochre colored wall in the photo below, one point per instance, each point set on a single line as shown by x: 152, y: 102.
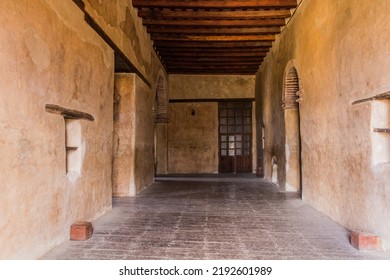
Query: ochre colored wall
x: 124, y: 135
x: 119, y: 20
x: 133, y: 164
x: 144, y: 135
x: 211, y: 86
x: 49, y: 55
x: 341, y: 53
x: 193, y: 138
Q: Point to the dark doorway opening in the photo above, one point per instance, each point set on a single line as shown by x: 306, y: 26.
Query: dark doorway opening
x: 235, y: 137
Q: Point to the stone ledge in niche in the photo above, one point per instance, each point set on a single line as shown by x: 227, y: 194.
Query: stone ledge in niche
x: 381, y: 96
x: 68, y: 113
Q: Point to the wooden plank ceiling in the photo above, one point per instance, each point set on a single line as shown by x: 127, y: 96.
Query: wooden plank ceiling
x: 213, y: 37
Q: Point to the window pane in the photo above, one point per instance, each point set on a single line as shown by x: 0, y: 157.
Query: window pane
x: 223, y: 138
x: 247, y: 112
x: 223, y: 153
x: 246, y: 152
x: 238, y: 145
x: 223, y: 113
x: 238, y: 138
x: 222, y: 105
x: 238, y: 120
x: 223, y: 145
x: 223, y: 121
x: 247, y: 145
x: 231, y: 145
x: 231, y: 129
x: 231, y: 152
x: 238, y: 112
x: 223, y: 129
x: 247, y: 129
x: 239, y: 152
x: 230, y: 105
x: 231, y: 120
x: 247, y: 138
x: 231, y: 113
x: 248, y: 105
x: 239, y: 129
x: 231, y: 138
x: 238, y: 105
x: 247, y: 120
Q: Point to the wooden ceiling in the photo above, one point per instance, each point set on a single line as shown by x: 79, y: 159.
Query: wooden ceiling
x: 213, y: 37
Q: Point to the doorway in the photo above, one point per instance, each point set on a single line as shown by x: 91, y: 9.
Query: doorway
x: 235, y: 136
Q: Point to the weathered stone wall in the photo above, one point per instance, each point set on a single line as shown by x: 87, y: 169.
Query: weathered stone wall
x: 161, y: 148
x: 193, y: 138
x: 144, y: 137
x: 211, y: 86
x: 134, y: 126
x: 124, y: 135
x: 119, y: 20
x: 341, y: 55
x: 49, y: 55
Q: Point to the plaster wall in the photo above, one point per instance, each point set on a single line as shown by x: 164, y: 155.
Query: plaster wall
x: 133, y: 164
x: 161, y: 148
x: 124, y: 135
x: 49, y: 55
x: 193, y: 138
x: 144, y: 137
x: 341, y: 56
x: 211, y: 86
x: 119, y: 20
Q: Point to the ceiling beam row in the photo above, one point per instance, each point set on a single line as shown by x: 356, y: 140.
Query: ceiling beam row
x: 213, y: 36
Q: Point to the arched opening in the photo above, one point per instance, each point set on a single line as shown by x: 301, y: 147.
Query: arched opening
x: 291, y: 98
x: 160, y: 112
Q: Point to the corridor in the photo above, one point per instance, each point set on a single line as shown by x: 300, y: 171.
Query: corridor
x: 213, y: 218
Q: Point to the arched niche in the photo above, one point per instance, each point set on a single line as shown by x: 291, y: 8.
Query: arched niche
x: 290, y: 103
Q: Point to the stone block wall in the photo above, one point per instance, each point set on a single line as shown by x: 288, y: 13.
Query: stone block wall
x: 49, y: 55
x: 341, y: 54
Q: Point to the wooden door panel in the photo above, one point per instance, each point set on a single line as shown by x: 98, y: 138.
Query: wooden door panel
x: 235, y: 137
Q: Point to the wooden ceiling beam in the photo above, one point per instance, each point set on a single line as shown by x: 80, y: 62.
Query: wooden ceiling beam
x: 211, y: 59
x: 183, y: 54
x: 213, y: 65
x: 211, y: 50
x: 236, y: 4
x: 215, y: 23
x: 213, y: 30
x: 213, y: 15
x: 215, y: 38
x: 212, y: 72
x: 211, y: 44
x: 207, y: 64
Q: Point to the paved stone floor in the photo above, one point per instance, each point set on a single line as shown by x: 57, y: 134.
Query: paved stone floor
x: 213, y: 218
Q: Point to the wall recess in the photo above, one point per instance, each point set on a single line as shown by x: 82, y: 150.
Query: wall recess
x: 73, y: 136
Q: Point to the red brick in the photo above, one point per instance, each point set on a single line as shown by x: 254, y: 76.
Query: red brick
x: 365, y: 241
x: 80, y: 231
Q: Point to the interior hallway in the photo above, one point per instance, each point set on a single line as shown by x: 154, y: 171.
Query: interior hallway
x: 213, y: 217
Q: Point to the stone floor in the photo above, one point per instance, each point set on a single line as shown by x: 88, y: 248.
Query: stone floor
x: 213, y: 218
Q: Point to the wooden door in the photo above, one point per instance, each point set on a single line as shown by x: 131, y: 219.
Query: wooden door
x: 235, y: 137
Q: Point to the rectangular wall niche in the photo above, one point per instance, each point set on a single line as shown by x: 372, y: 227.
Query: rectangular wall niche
x: 73, y: 146
x: 380, y: 135
x: 73, y: 136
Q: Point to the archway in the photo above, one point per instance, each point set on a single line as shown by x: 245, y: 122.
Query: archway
x: 291, y: 98
x: 160, y: 112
